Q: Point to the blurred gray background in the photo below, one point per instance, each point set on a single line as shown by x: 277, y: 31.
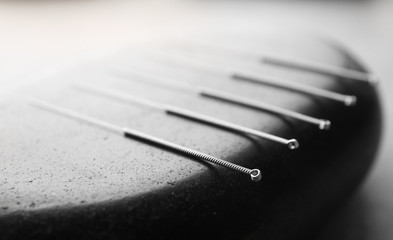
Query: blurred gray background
x: 40, y: 37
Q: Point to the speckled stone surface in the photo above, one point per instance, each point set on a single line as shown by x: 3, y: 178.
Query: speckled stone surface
x: 61, y: 178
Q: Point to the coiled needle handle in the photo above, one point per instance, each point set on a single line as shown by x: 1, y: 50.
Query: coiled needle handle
x: 255, y: 174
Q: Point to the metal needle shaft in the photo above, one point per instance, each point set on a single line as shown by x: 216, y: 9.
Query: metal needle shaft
x: 212, y: 93
x: 244, y: 75
x: 348, y: 100
x: 293, y: 62
x: 255, y: 174
x: 321, y: 68
x: 187, y: 114
x: 232, y: 98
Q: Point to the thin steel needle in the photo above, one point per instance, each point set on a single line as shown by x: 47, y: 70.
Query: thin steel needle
x: 322, y: 124
x: 244, y: 75
x: 348, y: 100
x: 321, y: 68
x: 255, y: 174
x: 298, y: 63
x: 186, y: 114
x: 215, y: 94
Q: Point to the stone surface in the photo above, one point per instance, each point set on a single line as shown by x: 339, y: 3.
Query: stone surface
x: 62, y: 178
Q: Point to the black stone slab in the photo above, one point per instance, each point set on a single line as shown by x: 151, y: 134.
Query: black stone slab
x: 63, y: 179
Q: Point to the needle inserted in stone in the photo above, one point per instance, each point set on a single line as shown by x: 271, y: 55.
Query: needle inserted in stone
x: 255, y: 174
x: 321, y: 68
x: 232, y: 98
x: 187, y: 114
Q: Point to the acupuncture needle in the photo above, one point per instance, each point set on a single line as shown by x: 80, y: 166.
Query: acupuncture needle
x: 206, y: 92
x: 255, y: 174
x: 249, y: 76
x: 187, y: 114
x: 312, y: 66
x: 303, y: 64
